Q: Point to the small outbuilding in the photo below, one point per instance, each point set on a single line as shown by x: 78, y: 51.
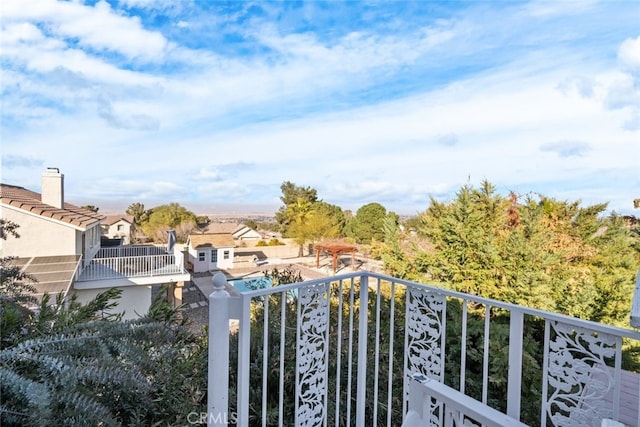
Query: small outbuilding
x: 210, y: 251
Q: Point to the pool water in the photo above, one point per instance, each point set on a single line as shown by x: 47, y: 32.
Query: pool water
x: 250, y: 284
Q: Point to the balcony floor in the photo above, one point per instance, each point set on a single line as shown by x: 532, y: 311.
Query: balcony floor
x: 102, y: 272
x: 629, y: 395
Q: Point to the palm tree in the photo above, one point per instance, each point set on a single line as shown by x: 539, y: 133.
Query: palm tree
x: 299, y: 214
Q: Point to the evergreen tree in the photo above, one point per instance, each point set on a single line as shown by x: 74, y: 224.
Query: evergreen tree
x: 68, y: 363
x: 549, y: 254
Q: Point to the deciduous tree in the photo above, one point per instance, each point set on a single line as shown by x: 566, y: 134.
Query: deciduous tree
x: 367, y: 224
x: 164, y: 217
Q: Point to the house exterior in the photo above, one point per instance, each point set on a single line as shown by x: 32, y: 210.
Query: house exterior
x: 239, y: 232
x: 59, y: 245
x: 210, y: 251
x: 119, y: 227
x: 246, y: 234
x: 48, y: 225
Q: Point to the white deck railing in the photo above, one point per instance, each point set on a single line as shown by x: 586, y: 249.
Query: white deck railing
x: 432, y: 403
x: 311, y: 354
x: 127, y: 251
x: 132, y: 266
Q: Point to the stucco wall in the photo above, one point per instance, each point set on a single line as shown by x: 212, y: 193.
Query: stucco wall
x: 126, y: 232
x: 39, y: 236
x: 134, y: 302
x: 207, y: 265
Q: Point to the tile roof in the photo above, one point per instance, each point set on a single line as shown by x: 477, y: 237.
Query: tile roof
x: 215, y: 240
x: 223, y: 227
x: 31, y: 201
x: 112, y: 219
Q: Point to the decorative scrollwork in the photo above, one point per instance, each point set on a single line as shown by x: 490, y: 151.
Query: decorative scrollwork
x: 425, y: 315
x: 579, y: 376
x: 312, y: 346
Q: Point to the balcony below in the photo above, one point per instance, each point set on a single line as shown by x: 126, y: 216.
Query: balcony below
x: 132, y: 265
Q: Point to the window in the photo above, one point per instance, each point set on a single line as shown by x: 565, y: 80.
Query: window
x: 225, y: 255
x: 214, y: 255
x: 120, y: 227
x: 201, y: 256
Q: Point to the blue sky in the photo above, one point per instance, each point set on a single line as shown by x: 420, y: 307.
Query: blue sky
x: 215, y: 104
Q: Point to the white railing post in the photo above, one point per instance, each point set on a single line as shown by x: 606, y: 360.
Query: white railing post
x: 361, y: 393
x: 514, y: 382
x: 218, y: 366
x: 634, y: 319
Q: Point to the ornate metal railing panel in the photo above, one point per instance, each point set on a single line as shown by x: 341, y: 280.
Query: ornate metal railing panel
x: 578, y: 364
x: 311, y: 354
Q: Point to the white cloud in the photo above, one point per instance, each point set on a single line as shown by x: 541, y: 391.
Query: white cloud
x: 210, y: 173
x: 134, y: 190
x: 224, y: 191
x: 98, y: 27
x: 544, y: 8
x: 622, y: 93
x: 567, y: 148
x: 355, y: 52
x: 363, y: 115
x: 629, y: 54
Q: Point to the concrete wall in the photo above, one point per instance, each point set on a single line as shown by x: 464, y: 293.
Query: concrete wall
x: 134, y: 302
x: 39, y: 236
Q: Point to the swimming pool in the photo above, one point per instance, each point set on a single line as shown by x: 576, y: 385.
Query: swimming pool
x: 250, y: 283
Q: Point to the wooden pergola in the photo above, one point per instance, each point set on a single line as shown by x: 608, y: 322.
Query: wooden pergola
x: 336, y: 250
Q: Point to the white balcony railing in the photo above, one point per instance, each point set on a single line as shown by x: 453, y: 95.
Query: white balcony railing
x: 128, y: 251
x: 434, y: 403
x: 117, y: 267
x: 341, y: 351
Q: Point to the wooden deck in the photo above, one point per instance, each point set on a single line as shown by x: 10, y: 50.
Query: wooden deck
x: 629, y: 396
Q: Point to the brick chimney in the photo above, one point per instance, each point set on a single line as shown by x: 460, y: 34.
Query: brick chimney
x: 53, y: 188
